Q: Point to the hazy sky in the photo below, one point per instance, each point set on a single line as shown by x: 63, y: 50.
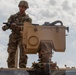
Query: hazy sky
x: 41, y: 11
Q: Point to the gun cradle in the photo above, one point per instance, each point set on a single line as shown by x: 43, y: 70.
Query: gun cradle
x: 33, y: 35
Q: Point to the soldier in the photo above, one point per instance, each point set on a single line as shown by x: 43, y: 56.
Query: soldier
x: 15, y: 38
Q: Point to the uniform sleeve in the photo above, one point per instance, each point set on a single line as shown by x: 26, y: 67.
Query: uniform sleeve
x: 10, y: 19
x: 28, y: 19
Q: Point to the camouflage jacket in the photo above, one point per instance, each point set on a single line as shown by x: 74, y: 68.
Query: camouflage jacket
x: 19, y: 19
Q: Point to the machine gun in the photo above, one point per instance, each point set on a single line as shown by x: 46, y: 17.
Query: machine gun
x: 16, y: 26
x: 7, y: 24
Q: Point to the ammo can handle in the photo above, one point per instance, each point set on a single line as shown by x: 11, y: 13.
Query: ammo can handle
x: 55, y: 22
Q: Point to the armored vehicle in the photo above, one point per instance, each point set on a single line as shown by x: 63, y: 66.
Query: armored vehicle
x: 42, y: 39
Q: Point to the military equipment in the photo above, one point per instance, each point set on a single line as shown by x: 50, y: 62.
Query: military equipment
x: 47, y: 38
x: 53, y: 23
x: 9, y: 24
x: 33, y: 35
x: 6, y: 23
x: 12, y: 26
x: 6, y: 26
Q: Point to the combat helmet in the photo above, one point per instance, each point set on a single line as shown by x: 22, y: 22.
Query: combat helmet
x: 23, y: 3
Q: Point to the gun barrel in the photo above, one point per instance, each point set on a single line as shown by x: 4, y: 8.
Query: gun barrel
x: 5, y: 23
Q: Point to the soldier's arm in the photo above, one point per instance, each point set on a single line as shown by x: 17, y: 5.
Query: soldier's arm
x: 10, y: 19
x: 28, y: 19
x: 7, y: 26
x: 11, y: 22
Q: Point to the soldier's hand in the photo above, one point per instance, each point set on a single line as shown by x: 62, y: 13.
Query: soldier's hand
x: 13, y: 25
x: 18, y: 28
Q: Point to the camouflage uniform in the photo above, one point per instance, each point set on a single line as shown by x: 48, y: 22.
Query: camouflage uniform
x: 15, y: 39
